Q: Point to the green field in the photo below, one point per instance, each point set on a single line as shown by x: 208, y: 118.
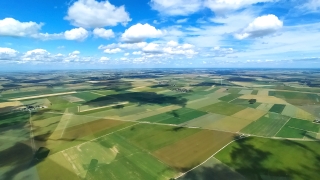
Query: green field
x: 223, y: 108
x: 260, y: 158
x: 297, y: 128
x: 13, y: 118
x: 254, y: 92
x: 87, y: 96
x: 124, y: 165
x: 296, y: 98
x: 267, y: 125
x: 175, y: 117
x: 230, y: 97
x: 277, y: 108
x: 245, y: 102
x: 152, y: 137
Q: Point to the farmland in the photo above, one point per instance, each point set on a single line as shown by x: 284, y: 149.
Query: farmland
x: 260, y: 157
x: 162, y: 124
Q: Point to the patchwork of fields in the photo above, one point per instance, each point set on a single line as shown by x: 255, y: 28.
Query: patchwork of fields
x: 190, y: 127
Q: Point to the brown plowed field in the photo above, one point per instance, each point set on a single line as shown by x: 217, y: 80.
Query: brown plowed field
x: 193, y: 150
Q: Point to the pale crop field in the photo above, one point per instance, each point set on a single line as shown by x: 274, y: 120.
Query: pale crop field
x: 263, y: 92
x: 41, y: 96
x: 264, y: 99
x: 301, y: 114
x: 245, y: 91
x: 204, y: 121
x: 250, y: 114
x: 289, y: 110
x: 265, y: 107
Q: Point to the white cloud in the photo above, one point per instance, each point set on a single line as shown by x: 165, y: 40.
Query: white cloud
x: 47, y: 36
x: 261, y: 26
x: 126, y: 54
x: 311, y: 5
x: 112, y: 51
x: 152, y: 48
x: 176, y: 7
x: 137, y: 53
x: 225, y: 6
x: 103, y: 58
x: 94, y: 14
x: 15, y: 28
x: 140, y: 32
x: 7, y: 53
x: 124, y: 45
x: 103, y: 33
x: 36, y: 55
x: 187, y: 46
x: 75, y: 53
x: 182, y: 20
x: 172, y: 43
x: 78, y: 34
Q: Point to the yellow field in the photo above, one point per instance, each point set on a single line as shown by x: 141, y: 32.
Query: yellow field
x: 10, y: 104
x: 250, y: 114
x: 301, y: 114
x: 231, y: 124
x: 56, y: 163
x: 264, y: 99
x: 221, y: 90
x: 263, y: 92
x: 40, y: 96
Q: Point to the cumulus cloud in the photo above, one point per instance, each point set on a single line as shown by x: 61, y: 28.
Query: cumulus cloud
x: 224, y: 6
x: 172, y: 43
x: 36, y: 55
x: 103, y: 33
x: 261, y: 26
x: 112, y: 51
x: 152, y: 48
x: 15, y: 28
x: 78, y: 34
x: 176, y: 7
x: 140, y: 32
x: 7, y: 53
x: 74, y: 53
x: 103, y: 58
x: 94, y: 14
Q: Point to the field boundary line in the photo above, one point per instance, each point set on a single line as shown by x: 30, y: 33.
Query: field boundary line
x: 233, y: 99
x: 301, y: 129
x: 96, y: 138
x: 33, y: 145
x: 96, y: 93
x: 207, y: 158
x: 282, y: 127
x: 101, y: 107
x: 230, y: 168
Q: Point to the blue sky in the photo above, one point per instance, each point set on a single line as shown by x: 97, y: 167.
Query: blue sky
x: 80, y: 34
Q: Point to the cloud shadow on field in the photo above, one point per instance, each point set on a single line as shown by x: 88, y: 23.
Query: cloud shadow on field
x: 138, y: 97
x: 252, y: 162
